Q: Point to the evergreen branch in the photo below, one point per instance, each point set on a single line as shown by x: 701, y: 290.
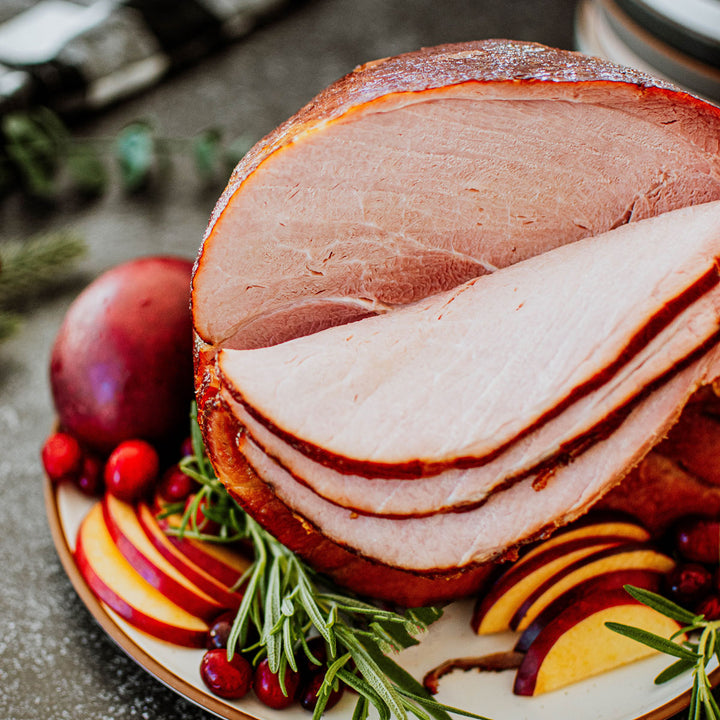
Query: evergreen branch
x: 32, y: 267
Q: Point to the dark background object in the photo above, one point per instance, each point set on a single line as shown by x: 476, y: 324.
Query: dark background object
x: 677, y: 40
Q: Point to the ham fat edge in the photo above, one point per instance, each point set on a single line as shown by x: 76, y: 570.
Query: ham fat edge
x: 551, y: 214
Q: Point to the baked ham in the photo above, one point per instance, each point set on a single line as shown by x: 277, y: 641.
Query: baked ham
x: 410, y: 178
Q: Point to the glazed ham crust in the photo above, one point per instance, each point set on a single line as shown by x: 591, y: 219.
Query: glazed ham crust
x: 407, y: 178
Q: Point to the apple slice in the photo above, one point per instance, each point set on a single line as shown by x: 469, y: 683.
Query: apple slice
x: 194, y: 572
x: 595, y: 525
x: 114, y: 581
x: 496, y: 608
x: 619, y: 557
x: 613, y: 580
x: 135, y: 546
x: 224, y: 563
x: 576, y: 644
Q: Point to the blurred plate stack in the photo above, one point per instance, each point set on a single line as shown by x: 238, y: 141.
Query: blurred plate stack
x: 675, y: 39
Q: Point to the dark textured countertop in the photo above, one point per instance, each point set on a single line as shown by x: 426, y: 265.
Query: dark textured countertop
x: 55, y: 662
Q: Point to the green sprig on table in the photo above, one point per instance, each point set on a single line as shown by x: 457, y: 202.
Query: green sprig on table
x: 32, y: 268
x: 287, y: 603
x: 40, y: 156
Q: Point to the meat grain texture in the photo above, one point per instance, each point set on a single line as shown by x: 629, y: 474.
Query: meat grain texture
x: 394, y: 197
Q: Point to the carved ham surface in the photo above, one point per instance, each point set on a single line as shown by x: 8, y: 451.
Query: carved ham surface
x: 414, y: 174
x: 495, y: 358
x: 403, y: 186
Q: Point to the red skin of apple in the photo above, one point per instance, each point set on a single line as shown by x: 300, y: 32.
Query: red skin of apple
x: 516, y: 573
x: 598, y: 556
x: 616, y: 579
x: 155, y: 626
x: 536, y: 653
x: 212, y: 565
x: 197, y: 574
x: 121, y: 366
x: 182, y: 595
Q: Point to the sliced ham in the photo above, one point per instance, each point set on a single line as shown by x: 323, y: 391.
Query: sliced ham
x: 558, y: 440
x: 411, y: 177
x: 346, y: 567
x: 494, y: 358
x: 449, y: 541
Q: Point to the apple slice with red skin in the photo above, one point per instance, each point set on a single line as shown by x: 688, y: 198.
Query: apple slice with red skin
x: 494, y: 610
x: 619, y: 557
x: 224, y: 563
x: 135, y: 546
x: 613, y: 580
x: 116, y: 583
x: 595, y: 525
x: 576, y: 644
x: 194, y: 572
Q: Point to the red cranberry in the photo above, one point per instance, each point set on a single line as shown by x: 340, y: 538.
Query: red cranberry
x: 268, y: 690
x: 698, y: 539
x: 62, y: 457
x: 318, y: 649
x: 186, y: 449
x: 688, y: 583
x: 309, y: 691
x: 709, y: 607
x: 204, y: 524
x: 220, y: 630
x: 90, y: 480
x: 175, y: 485
x: 229, y: 679
x: 131, y: 470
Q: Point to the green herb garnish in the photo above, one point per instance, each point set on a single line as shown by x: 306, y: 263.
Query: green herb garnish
x: 287, y: 602
x: 693, y: 655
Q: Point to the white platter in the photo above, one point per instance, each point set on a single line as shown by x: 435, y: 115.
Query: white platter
x: 624, y: 694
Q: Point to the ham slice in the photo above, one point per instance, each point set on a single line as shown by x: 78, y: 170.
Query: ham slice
x: 449, y: 541
x: 461, y: 489
x: 411, y: 177
x: 495, y: 358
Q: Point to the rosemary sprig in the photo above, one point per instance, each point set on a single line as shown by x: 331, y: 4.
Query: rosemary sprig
x: 693, y: 655
x: 286, y: 602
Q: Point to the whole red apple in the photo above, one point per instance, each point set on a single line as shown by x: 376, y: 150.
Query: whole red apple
x: 121, y: 366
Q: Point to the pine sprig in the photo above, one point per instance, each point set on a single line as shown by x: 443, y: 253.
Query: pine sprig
x: 287, y: 602
x: 35, y: 266
x: 32, y: 268
x: 693, y: 656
